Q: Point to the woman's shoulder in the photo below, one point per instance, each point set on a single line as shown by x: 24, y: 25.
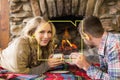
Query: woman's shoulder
x: 23, y: 38
x: 18, y: 44
x: 20, y: 40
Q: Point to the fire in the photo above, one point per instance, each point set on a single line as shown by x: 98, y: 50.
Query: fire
x: 66, y: 35
x: 66, y: 46
x: 67, y: 43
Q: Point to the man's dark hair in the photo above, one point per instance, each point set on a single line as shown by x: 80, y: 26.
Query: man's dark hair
x: 93, y: 26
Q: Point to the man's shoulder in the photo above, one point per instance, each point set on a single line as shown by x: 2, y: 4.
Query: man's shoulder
x: 114, y: 36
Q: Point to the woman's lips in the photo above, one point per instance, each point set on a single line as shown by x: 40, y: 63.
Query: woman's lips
x: 45, y: 41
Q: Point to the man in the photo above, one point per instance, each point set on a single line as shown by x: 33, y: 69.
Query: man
x: 108, y: 45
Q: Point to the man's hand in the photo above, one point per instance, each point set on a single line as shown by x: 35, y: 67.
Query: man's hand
x: 80, y: 60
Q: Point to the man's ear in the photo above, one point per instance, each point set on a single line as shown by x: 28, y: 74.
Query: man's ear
x: 87, y: 37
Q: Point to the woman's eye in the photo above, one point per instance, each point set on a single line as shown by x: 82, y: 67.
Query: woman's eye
x: 49, y: 31
x: 41, y: 31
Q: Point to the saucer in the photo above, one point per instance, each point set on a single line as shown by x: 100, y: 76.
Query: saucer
x: 61, y: 71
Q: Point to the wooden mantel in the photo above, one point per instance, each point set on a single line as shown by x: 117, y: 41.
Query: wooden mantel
x: 4, y: 23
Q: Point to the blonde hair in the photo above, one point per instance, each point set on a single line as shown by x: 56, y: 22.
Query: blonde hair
x: 32, y: 25
x: 30, y: 28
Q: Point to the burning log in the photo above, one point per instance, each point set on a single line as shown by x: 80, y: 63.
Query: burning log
x: 66, y: 47
x: 69, y: 43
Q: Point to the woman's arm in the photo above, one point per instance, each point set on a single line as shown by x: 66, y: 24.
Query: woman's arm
x: 42, y: 68
x: 15, y: 57
x: 23, y: 57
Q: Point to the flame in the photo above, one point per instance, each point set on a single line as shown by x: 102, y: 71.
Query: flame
x: 65, y: 42
x: 66, y: 46
x: 69, y: 42
x: 66, y: 34
x: 74, y: 46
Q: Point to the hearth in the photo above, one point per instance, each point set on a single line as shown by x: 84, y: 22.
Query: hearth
x: 68, y: 37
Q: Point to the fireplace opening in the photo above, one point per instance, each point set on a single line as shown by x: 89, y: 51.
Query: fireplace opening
x: 68, y: 37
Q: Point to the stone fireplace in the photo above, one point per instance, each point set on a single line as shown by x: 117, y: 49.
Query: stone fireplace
x: 23, y: 10
x: 68, y: 38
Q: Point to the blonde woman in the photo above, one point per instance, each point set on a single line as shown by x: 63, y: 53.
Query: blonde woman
x: 31, y: 52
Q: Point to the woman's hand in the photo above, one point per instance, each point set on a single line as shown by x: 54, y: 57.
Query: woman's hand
x: 53, y: 62
x: 80, y: 60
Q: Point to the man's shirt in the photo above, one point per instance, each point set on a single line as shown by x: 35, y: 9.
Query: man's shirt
x: 109, y: 51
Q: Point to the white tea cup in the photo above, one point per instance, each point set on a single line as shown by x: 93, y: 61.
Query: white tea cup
x: 58, y: 56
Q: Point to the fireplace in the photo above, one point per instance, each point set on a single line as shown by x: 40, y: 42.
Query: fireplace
x: 21, y: 11
x: 68, y: 37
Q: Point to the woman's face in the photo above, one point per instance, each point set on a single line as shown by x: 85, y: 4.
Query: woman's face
x: 43, y: 34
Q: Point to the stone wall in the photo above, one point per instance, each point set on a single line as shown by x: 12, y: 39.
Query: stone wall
x: 23, y: 10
